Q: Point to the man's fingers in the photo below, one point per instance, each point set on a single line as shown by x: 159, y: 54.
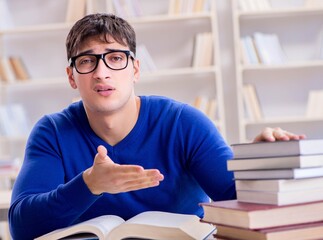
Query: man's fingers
x: 266, y: 135
x: 102, y: 156
x: 142, y: 183
x: 277, y: 134
x: 135, y: 180
x: 115, y: 178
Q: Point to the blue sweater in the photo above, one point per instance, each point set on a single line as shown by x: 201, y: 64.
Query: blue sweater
x: 175, y: 138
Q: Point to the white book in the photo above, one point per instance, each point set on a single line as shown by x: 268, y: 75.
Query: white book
x: 277, y: 53
x: 211, y: 109
x: 279, y: 185
x: 203, y: 50
x: 6, y: 127
x: 281, y: 198
x: 243, y: 5
x: 6, y: 20
x: 146, y: 61
x: 249, y: 49
x: 201, y: 103
x: 263, y: 4
x: 19, y: 120
x: 252, y: 102
x: 75, y: 10
x: 275, y: 162
x: 253, y: 5
x: 269, y: 48
x: 278, y: 148
x: 295, y: 173
x: 147, y: 225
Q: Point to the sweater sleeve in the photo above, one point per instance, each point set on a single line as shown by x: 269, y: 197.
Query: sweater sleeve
x: 206, y: 153
x: 42, y: 200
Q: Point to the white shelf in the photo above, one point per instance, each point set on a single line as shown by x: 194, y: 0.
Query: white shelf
x: 273, y: 13
x: 282, y: 89
x: 40, y: 42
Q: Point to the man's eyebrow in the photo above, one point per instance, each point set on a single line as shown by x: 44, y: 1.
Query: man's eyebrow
x: 85, y: 52
x: 90, y: 51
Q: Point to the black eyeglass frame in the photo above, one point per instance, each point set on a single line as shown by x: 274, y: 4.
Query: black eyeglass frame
x: 102, y: 56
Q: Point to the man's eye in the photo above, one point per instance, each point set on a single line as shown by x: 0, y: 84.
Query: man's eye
x: 116, y: 58
x: 86, y: 61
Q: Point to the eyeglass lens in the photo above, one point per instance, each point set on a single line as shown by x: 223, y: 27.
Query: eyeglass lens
x: 113, y: 60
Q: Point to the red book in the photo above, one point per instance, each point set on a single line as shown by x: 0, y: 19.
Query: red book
x: 257, y: 216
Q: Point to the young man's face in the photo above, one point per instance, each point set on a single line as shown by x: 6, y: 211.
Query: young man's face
x: 104, y: 90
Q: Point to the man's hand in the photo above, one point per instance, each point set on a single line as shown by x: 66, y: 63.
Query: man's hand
x: 277, y: 134
x: 107, y: 176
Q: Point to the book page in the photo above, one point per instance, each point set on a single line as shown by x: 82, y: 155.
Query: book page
x: 163, y: 225
x: 100, y: 227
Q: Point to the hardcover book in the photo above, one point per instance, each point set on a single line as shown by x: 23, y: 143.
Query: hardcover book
x: 275, y: 162
x: 292, y: 173
x: 257, y: 216
x: 295, y: 232
x: 281, y: 198
x: 279, y: 185
x: 147, y: 225
x: 278, y: 148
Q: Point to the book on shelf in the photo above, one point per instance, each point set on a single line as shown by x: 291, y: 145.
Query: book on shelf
x: 290, y: 173
x: 211, y: 109
x: 269, y: 48
x: 278, y: 148
x: 249, y: 51
x: 9, y: 169
x: 200, y: 5
x: 13, y: 120
x: 256, y: 216
x: 206, y: 105
x: 127, y: 8
x: 6, y: 17
x: 147, y: 225
x: 279, y: 185
x: 289, y: 4
x: 75, y: 10
x: 314, y: 104
x: 252, y: 5
x: 251, y: 101
x: 147, y: 63
x: 203, y: 50
x: 19, y: 68
x: 2, y: 77
x: 281, y: 198
x: 296, y: 232
x: 298, y: 161
x: 187, y: 6
x: 7, y: 71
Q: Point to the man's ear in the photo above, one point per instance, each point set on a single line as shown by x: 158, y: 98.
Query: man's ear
x: 69, y: 72
x: 136, y: 69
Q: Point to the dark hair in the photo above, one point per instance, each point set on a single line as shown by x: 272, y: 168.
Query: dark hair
x: 101, y: 25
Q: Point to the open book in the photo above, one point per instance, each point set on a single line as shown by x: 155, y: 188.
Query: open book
x: 146, y: 225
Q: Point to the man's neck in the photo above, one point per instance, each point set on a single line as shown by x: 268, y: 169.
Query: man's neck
x: 112, y: 128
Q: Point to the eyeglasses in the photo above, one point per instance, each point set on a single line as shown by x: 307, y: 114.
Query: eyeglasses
x: 113, y: 59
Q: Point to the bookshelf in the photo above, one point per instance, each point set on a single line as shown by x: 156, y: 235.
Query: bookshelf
x: 37, y: 36
x: 282, y: 87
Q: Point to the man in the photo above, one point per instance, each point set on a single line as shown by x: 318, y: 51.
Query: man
x: 115, y: 152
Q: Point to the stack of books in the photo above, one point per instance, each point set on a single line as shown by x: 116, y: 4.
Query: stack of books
x: 279, y: 192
